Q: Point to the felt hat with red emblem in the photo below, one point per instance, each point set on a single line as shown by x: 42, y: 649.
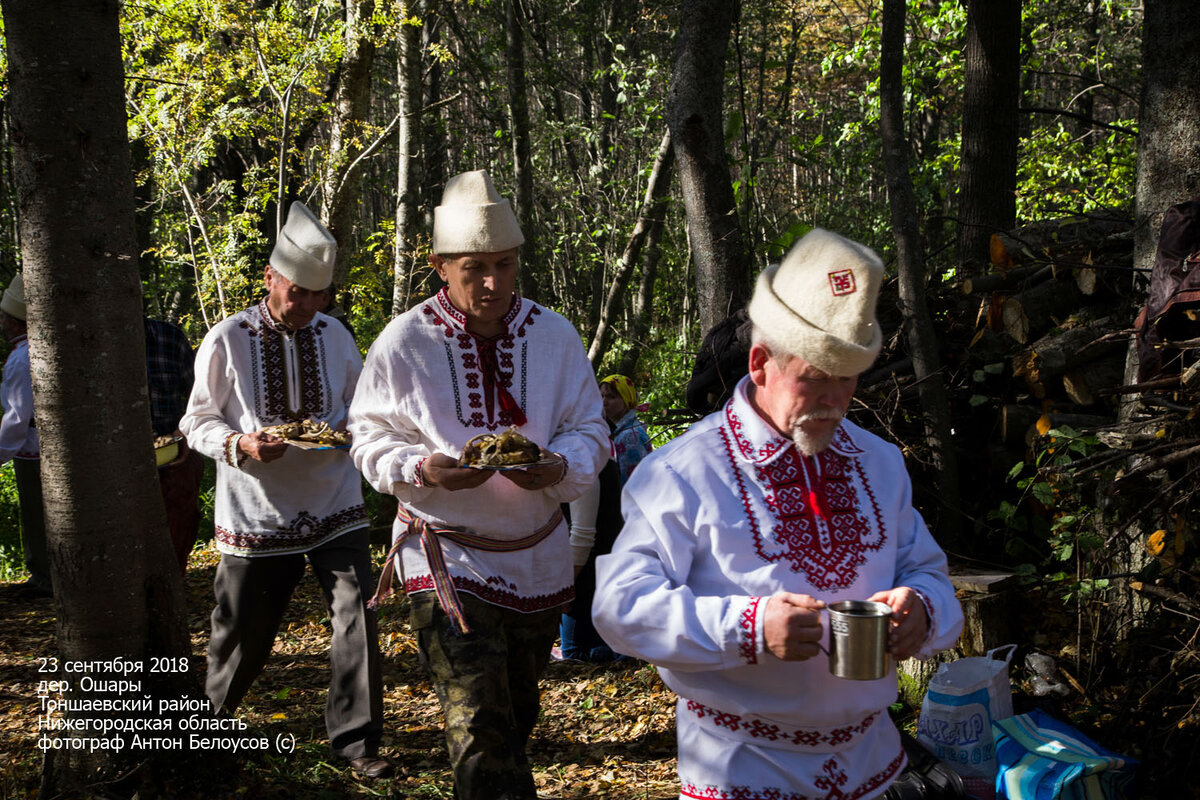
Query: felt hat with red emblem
x: 819, y: 303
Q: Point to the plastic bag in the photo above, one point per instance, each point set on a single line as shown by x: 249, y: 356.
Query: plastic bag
x: 963, y: 700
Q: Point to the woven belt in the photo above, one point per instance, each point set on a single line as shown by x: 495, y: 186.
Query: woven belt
x: 431, y: 536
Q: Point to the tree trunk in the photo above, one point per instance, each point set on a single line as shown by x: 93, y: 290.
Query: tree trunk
x: 1168, y: 143
x: 352, y: 109
x: 991, y: 95
x: 1168, y: 172
x: 918, y: 327
x: 408, y: 182
x: 118, y: 592
x: 433, y: 145
x: 654, y: 206
x: 694, y: 103
x: 643, y: 304
x: 518, y: 105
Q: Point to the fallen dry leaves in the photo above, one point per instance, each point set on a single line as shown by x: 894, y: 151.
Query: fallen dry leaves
x: 606, y: 732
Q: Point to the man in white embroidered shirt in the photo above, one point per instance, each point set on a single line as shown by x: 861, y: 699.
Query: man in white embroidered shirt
x: 484, y: 557
x: 277, y: 505
x: 738, y: 533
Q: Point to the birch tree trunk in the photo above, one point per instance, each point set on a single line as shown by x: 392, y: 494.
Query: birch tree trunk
x: 352, y: 108
x: 118, y: 591
x: 694, y: 103
x: 918, y: 326
x: 408, y: 181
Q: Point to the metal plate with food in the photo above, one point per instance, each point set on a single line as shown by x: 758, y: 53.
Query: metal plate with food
x: 544, y: 462
x: 311, y: 435
x: 504, y: 451
x: 166, y: 449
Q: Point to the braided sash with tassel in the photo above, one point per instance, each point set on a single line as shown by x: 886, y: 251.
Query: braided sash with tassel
x: 431, y: 536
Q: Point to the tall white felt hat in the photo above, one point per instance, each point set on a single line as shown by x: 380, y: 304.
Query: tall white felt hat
x: 304, y: 250
x: 474, y: 218
x: 13, y: 301
x: 819, y: 303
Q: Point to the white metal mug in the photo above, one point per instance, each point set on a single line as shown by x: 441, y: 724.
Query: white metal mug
x: 858, y: 632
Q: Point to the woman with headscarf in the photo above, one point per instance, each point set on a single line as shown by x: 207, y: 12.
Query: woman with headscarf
x: 631, y: 442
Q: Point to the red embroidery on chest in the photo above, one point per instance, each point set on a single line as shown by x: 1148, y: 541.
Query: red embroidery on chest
x: 827, y: 550
x: 475, y: 398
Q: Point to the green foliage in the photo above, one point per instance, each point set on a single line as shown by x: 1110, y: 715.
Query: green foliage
x: 12, y: 555
x: 1054, y: 528
x: 1063, y: 171
x: 215, y: 88
x: 661, y: 380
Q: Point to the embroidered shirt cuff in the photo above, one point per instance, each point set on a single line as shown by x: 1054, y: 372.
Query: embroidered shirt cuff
x: 566, y: 467
x: 410, y: 472
x: 930, y: 617
x: 234, y: 456
x: 750, y: 631
x: 418, y: 472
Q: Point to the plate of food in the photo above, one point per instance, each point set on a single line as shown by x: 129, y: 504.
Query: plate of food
x: 166, y: 449
x: 310, y: 435
x: 503, y: 451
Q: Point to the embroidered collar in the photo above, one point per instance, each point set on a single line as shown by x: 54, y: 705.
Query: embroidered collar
x: 756, y: 440
x: 270, y: 323
x: 459, y: 320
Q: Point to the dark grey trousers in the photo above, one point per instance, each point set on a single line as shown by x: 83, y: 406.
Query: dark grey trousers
x: 252, y: 594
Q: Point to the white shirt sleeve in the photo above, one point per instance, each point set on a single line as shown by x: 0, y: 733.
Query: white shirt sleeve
x: 16, y: 397
x: 203, y: 423
x: 645, y: 607
x: 386, y: 445
x: 582, y: 434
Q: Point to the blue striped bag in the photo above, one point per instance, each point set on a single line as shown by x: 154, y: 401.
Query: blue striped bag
x: 1042, y: 758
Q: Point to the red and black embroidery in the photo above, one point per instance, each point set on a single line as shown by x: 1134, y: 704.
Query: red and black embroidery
x: 303, y: 533
x: 269, y: 362
x: 768, y: 731
x: 748, y: 631
x: 826, y: 544
x: 829, y: 782
x: 494, y: 594
x: 484, y: 372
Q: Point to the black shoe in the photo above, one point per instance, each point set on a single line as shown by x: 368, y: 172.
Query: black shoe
x: 371, y: 767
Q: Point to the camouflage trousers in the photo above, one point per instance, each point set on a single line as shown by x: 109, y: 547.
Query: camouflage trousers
x: 487, y: 683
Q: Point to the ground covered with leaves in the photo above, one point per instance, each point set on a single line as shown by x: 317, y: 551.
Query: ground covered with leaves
x: 606, y: 732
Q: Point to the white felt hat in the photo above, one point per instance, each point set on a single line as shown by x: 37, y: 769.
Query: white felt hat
x: 305, y: 250
x: 474, y: 218
x: 819, y: 303
x: 13, y: 301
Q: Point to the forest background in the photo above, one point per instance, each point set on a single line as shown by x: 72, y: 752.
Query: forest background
x: 363, y: 109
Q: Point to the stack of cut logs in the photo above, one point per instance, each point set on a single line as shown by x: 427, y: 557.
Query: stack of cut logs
x: 1065, y: 294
